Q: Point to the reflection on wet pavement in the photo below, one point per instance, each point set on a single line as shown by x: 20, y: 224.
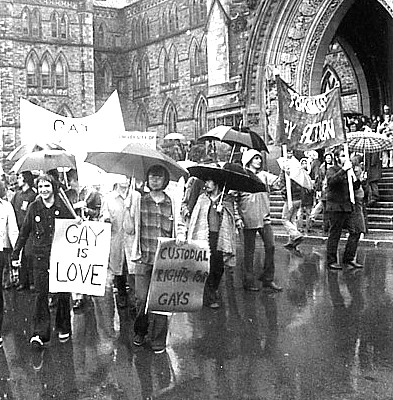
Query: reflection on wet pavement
x: 328, y: 335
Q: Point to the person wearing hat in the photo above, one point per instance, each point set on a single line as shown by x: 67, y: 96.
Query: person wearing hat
x: 253, y: 211
x: 21, y: 200
x: 156, y: 220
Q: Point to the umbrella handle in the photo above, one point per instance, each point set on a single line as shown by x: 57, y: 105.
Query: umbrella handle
x: 65, y: 200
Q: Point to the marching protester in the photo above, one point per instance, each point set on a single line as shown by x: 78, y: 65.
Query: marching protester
x: 373, y: 169
x: 341, y: 213
x: 320, y: 187
x: 40, y: 224
x: 254, y: 217
x: 307, y: 201
x: 21, y: 200
x: 113, y: 210
x: 213, y: 221
x: 9, y: 234
x: 156, y: 220
x: 290, y: 213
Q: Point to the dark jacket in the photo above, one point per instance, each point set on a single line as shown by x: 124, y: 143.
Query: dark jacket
x: 40, y: 223
x: 337, y: 193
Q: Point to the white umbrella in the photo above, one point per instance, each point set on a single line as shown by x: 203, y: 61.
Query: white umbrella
x: 174, y: 136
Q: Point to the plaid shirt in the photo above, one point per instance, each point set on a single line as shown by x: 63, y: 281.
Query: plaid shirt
x: 156, y: 221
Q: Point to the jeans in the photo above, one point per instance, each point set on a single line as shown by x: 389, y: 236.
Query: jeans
x: 42, y: 317
x: 339, y: 221
x: 216, y: 268
x: 157, y: 322
x: 267, y: 274
x: 289, y: 219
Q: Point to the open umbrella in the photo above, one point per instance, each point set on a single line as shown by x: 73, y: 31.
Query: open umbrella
x: 44, y: 160
x: 242, y: 136
x: 174, y: 136
x: 27, y: 148
x: 135, y: 160
x: 296, y: 172
x: 368, y: 142
x: 232, y: 176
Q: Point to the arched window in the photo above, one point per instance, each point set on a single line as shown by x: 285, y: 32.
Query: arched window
x: 200, y: 117
x: 202, y: 10
x: 145, y: 73
x: 199, y: 11
x: 65, y: 111
x: 35, y: 23
x: 173, y: 19
x: 145, y: 29
x: 164, y: 67
x: 64, y: 27
x: 170, y: 121
x: 203, y: 57
x: 107, y: 78
x: 32, y: 72
x: 101, y: 35
x: 54, y: 23
x: 141, y: 120
x: 61, y: 74
x: 26, y: 22
x: 45, y: 74
x: 163, y: 23
x: 134, y: 32
x: 174, y: 64
x: 194, y: 58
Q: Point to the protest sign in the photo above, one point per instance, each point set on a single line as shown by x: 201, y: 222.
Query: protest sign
x: 309, y: 122
x: 179, y: 276
x: 79, y: 257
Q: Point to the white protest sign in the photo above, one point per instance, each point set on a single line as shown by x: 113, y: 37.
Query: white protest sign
x: 79, y: 257
x: 179, y: 276
x: 148, y: 139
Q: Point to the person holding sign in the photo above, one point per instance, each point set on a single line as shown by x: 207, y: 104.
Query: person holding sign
x: 156, y: 220
x: 341, y: 212
x: 216, y: 227
x: 39, y: 223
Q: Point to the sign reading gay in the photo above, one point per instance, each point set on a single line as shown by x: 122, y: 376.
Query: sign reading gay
x: 179, y: 276
x: 79, y: 257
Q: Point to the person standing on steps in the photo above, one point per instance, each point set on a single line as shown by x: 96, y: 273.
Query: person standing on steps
x: 253, y: 211
x: 341, y: 213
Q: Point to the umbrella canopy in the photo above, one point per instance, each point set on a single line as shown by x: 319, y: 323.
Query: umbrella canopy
x: 135, y: 160
x: 368, y: 142
x: 232, y: 135
x: 174, y: 136
x: 27, y: 148
x: 296, y: 172
x: 44, y: 160
x: 233, y: 176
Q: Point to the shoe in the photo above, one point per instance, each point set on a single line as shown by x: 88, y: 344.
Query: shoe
x: 272, y: 286
x: 289, y: 246
x: 64, y: 337
x: 158, y: 350
x: 214, y: 305
x: 353, y: 264
x: 20, y: 288
x: 36, y: 341
x: 335, y: 266
x: 1, y: 342
x: 139, y: 340
x: 251, y: 288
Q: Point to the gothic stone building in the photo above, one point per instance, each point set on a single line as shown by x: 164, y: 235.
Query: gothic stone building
x: 188, y: 65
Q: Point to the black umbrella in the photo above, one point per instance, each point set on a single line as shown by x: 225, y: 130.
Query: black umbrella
x: 232, y: 176
x: 233, y: 135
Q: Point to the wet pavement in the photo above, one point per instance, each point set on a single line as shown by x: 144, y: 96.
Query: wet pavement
x: 328, y: 335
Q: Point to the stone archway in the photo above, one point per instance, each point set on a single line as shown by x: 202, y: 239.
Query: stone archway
x: 294, y: 35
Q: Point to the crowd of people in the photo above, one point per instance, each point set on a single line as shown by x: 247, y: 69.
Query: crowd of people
x: 141, y: 213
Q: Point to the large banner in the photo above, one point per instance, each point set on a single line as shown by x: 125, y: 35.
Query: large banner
x: 309, y: 122
x: 79, y: 257
x: 179, y: 276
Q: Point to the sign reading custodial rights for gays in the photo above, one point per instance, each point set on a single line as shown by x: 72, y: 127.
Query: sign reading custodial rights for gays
x: 79, y: 257
x: 179, y: 276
